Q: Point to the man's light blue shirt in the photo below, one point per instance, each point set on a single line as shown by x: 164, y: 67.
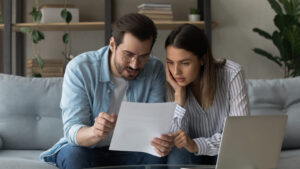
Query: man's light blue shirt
x: 87, y: 88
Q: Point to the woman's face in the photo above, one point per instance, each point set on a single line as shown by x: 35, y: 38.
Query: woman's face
x: 183, y: 65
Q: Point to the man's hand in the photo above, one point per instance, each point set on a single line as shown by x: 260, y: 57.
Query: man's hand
x: 181, y: 139
x: 163, y: 145
x: 104, y: 124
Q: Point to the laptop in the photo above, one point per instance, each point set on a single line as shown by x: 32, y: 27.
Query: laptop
x: 251, y: 142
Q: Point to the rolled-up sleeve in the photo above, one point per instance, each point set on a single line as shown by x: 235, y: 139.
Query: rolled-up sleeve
x: 208, y: 146
x: 179, y: 120
x: 75, y: 104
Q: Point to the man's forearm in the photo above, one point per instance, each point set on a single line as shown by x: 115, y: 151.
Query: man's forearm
x: 86, y: 138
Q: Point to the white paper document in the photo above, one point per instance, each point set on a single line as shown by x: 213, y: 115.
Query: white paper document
x: 139, y: 123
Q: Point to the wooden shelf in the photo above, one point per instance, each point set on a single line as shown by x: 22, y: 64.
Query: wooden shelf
x: 173, y: 24
x: 86, y: 26
x: 76, y: 26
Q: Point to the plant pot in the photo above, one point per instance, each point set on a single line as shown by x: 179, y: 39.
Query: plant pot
x: 194, y: 17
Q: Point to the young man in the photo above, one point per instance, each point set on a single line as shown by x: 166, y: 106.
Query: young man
x: 95, y: 84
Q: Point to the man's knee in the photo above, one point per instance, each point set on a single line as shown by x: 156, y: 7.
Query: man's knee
x: 73, y: 157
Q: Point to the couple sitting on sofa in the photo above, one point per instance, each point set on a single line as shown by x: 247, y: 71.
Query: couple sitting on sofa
x: 95, y: 83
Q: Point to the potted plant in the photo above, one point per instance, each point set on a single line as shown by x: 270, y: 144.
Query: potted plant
x: 286, y: 38
x: 36, y: 37
x: 1, y: 17
x: 194, y: 14
x: 67, y: 17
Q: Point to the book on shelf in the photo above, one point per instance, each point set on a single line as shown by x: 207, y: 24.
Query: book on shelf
x: 58, y: 72
x: 156, y: 11
x: 47, y: 74
x: 162, y: 12
x: 45, y: 69
x: 47, y: 63
x: 154, y: 16
x: 52, y: 67
x: 154, y: 6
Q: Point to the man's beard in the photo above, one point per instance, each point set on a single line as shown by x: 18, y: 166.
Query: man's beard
x: 120, y: 70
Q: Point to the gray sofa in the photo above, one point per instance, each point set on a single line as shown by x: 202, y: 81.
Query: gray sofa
x: 30, y: 117
x: 280, y: 96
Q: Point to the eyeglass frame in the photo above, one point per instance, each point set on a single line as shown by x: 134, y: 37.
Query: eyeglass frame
x: 141, y: 59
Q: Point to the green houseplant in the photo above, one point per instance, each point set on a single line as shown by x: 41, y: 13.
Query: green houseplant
x: 194, y: 11
x: 194, y: 14
x: 1, y: 17
x: 36, y: 36
x: 67, y: 17
x: 286, y: 38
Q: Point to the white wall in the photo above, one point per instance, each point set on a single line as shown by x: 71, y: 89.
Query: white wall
x: 1, y: 53
x: 232, y: 38
x: 1, y: 37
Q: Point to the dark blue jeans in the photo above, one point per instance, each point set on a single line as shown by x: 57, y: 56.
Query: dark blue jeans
x: 182, y: 156
x: 75, y: 157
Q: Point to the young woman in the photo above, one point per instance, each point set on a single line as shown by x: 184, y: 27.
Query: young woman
x: 206, y: 90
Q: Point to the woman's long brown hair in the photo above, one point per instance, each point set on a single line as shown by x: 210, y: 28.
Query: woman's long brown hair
x: 193, y: 39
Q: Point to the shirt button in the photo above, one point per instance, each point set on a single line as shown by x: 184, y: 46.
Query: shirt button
x: 108, y: 91
x: 38, y: 118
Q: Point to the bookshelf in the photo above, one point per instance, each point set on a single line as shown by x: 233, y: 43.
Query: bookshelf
x: 87, y: 26
x: 8, y: 28
x: 174, y: 24
x: 78, y: 26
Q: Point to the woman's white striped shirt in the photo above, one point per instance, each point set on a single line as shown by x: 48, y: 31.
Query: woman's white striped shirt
x: 205, y: 127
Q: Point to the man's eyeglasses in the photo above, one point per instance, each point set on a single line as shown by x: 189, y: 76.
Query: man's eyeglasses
x: 141, y: 60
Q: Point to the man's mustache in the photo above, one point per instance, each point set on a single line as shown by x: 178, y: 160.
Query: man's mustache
x: 131, y: 69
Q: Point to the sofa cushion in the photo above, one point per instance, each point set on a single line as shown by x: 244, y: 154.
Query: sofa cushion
x: 25, y: 159
x: 278, y: 96
x: 30, y: 117
x: 289, y: 159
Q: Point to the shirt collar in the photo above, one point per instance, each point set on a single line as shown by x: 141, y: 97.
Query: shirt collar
x: 104, y: 67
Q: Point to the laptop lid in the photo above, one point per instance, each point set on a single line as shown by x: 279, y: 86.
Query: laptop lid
x: 251, y: 142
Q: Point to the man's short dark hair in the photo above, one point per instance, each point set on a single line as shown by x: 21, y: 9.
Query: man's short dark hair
x: 138, y: 25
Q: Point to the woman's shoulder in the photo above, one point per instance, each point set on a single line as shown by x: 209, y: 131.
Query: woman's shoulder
x: 230, y: 69
x: 232, y: 66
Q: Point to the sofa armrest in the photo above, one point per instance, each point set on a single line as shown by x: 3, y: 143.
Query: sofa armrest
x: 278, y: 96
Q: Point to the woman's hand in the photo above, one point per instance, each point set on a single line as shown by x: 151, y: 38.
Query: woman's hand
x: 180, y: 92
x: 183, y: 140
